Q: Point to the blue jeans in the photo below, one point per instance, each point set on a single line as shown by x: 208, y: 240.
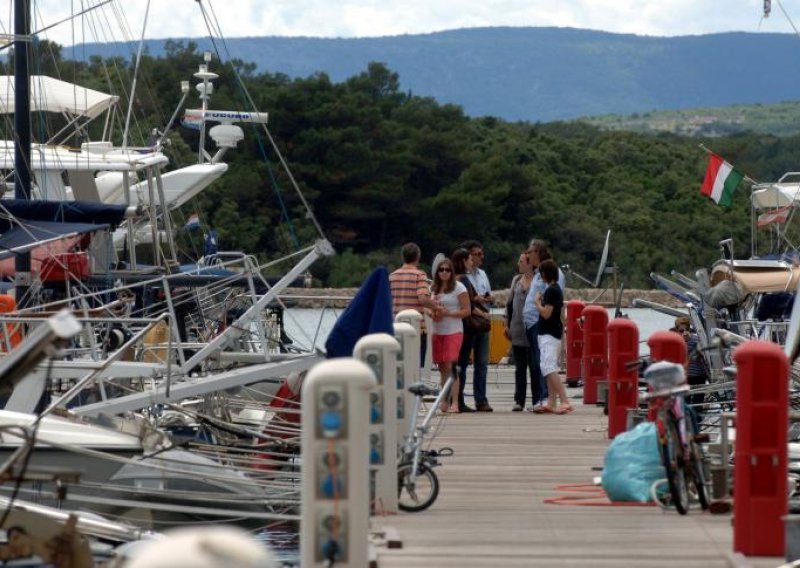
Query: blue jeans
x: 478, y: 345
x: 538, y: 382
x: 522, y: 365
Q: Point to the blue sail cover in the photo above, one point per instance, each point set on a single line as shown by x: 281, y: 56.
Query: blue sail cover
x: 370, y: 311
x: 27, y: 235
x: 60, y: 211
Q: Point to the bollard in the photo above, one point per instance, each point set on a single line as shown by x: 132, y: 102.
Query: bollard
x: 595, y: 322
x: 379, y: 351
x: 407, y: 374
x: 335, y: 486
x: 666, y: 346
x: 623, y: 383
x: 415, y: 320
x: 574, y: 331
x: 759, y: 475
x: 411, y: 317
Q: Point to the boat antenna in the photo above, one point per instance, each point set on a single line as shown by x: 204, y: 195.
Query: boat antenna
x: 205, y: 89
x: 135, y: 75
x: 212, y: 28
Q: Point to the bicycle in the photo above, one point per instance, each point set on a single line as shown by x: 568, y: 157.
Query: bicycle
x: 417, y: 483
x: 678, y: 439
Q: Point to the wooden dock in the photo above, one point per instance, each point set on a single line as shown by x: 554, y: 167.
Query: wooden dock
x: 492, y: 509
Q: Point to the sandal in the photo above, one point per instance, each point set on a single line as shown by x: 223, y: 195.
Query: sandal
x: 544, y: 409
x: 453, y: 410
x: 565, y: 408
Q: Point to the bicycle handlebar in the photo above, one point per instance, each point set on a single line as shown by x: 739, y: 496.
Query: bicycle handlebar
x: 421, y: 389
x: 666, y: 393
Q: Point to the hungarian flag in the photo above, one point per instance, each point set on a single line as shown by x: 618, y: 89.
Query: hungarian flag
x: 720, y: 181
x: 192, y: 223
x: 775, y: 216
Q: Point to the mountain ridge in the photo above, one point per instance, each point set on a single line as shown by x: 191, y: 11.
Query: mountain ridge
x: 539, y: 74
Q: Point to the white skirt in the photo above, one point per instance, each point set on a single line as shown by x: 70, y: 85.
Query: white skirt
x: 549, y: 350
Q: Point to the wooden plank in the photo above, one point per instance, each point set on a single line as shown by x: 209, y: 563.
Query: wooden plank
x: 492, y: 511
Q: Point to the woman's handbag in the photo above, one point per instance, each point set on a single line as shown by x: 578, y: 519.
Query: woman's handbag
x: 476, y: 324
x: 473, y: 323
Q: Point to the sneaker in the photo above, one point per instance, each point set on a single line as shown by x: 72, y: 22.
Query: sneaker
x: 537, y: 408
x: 516, y: 408
x: 484, y: 407
x: 465, y: 408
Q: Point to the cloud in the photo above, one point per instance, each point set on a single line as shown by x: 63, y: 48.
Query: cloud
x: 123, y: 19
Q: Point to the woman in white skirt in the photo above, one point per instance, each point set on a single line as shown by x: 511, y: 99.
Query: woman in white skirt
x: 551, y: 329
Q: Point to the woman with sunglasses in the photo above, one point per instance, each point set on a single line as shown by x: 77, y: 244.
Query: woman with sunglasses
x: 452, y: 303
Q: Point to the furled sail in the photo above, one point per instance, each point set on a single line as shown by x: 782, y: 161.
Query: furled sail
x: 53, y: 95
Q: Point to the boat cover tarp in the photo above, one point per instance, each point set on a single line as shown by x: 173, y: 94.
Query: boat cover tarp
x: 370, y: 311
x: 757, y: 280
x: 52, y: 95
x: 60, y: 211
x: 28, y: 235
x: 776, y: 195
x: 203, y: 270
x: 38, y: 255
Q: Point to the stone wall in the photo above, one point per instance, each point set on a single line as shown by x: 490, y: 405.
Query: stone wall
x: 339, y: 297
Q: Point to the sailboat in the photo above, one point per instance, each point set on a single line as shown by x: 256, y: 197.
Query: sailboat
x: 139, y: 347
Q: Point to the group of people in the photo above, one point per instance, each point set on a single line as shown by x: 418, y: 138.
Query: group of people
x: 533, y: 325
x: 459, y: 300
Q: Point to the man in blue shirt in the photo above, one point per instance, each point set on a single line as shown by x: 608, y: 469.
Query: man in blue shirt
x: 537, y: 252
x: 477, y: 344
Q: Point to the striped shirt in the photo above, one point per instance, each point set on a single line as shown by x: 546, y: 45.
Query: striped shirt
x: 407, y: 285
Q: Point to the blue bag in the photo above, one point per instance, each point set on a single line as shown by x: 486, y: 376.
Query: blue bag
x: 632, y: 464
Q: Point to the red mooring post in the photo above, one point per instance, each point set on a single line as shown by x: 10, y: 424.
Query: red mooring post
x: 666, y: 346
x: 574, y: 342
x: 759, y: 473
x: 623, y: 383
x: 595, y: 351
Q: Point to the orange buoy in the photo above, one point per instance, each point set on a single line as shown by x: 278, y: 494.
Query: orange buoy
x: 10, y: 333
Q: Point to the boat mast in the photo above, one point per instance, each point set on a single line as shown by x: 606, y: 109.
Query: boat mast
x: 22, y: 125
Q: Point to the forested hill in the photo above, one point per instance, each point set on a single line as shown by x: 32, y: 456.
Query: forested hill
x: 380, y: 167
x: 540, y: 74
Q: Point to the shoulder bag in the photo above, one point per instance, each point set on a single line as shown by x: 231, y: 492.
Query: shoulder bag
x: 474, y: 324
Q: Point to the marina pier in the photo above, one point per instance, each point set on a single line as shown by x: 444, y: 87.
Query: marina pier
x: 518, y: 492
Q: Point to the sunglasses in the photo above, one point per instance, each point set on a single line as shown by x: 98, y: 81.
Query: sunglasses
x: 476, y: 253
x: 443, y: 269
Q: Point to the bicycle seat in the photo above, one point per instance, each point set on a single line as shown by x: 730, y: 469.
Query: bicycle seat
x: 729, y: 372
x: 421, y: 389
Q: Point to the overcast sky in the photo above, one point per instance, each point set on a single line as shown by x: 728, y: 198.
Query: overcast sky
x: 370, y: 18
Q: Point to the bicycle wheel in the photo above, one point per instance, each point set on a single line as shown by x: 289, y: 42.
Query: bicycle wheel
x: 419, y: 495
x: 697, y: 466
x: 673, y: 465
x: 699, y: 476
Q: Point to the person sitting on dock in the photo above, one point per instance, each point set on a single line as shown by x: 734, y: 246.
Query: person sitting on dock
x: 696, y: 373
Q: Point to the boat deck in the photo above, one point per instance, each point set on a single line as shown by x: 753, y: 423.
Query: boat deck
x: 492, y: 508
